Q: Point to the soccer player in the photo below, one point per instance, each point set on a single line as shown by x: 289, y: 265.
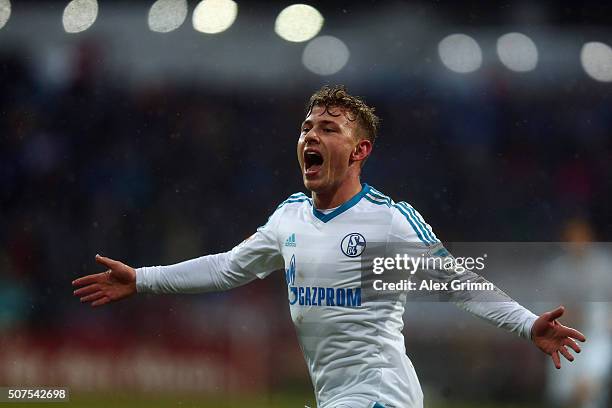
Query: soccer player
x: 353, y: 344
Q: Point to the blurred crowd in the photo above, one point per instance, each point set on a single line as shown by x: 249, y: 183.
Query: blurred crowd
x: 158, y: 174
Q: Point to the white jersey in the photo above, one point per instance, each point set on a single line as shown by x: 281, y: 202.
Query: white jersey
x: 353, y: 345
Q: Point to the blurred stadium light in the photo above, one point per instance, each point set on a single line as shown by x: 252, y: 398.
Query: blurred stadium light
x: 79, y: 15
x: 167, y: 15
x: 257, y: 59
x: 5, y: 12
x: 596, y: 59
x: 298, y: 23
x: 325, y: 55
x: 460, y: 53
x: 517, y: 52
x: 214, y: 16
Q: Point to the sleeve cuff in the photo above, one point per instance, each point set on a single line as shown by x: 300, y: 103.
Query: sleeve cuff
x: 142, y: 282
x: 528, y: 325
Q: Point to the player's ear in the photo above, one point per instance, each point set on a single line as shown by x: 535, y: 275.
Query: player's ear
x: 362, y: 150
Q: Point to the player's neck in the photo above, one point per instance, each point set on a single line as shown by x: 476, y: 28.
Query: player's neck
x: 336, y: 197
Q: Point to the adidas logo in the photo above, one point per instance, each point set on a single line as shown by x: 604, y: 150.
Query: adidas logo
x: 290, y: 242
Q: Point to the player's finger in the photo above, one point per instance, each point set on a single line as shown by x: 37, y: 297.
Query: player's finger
x: 573, y: 333
x: 87, y: 280
x: 109, y: 263
x: 104, y: 300
x: 571, y: 343
x: 566, y: 353
x: 556, y: 359
x: 86, y: 290
x: 94, y: 296
x: 555, y: 314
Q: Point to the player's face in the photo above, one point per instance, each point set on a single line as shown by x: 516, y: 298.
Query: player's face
x: 327, y: 139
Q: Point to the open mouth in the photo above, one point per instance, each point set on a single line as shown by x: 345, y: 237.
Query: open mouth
x: 313, y: 162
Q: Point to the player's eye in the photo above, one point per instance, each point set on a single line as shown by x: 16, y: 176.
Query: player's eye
x: 304, y: 130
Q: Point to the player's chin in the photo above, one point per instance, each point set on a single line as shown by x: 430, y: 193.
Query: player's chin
x: 313, y: 184
x: 309, y: 184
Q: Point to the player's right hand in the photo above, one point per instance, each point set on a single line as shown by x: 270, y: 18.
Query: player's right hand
x: 117, y: 283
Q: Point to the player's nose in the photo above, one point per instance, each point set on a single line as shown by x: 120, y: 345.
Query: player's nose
x: 311, y: 137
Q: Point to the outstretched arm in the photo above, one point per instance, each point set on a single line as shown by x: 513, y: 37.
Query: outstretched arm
x: 208, y: 273
x: 495, y: 306
x: 545, y: 331
x: 205, y: 274
x: 255, y: 257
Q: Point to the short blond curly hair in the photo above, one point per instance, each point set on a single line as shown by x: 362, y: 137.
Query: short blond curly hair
x: 338, y: 96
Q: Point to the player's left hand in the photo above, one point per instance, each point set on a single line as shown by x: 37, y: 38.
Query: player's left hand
x: 553, y: 338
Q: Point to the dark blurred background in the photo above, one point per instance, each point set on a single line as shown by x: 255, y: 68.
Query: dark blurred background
x: 154, y: 147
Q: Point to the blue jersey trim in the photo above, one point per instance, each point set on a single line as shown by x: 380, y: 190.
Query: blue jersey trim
x: 421, y: 226
x: 377, y: 194
x: 414, y: 227
x: 295, y: 198
x: 428, y: 231
x: 372, y: 200
x: 301, y: 200
x: 412, y: 219
x: 350, y: 203
x: 414, y: 223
